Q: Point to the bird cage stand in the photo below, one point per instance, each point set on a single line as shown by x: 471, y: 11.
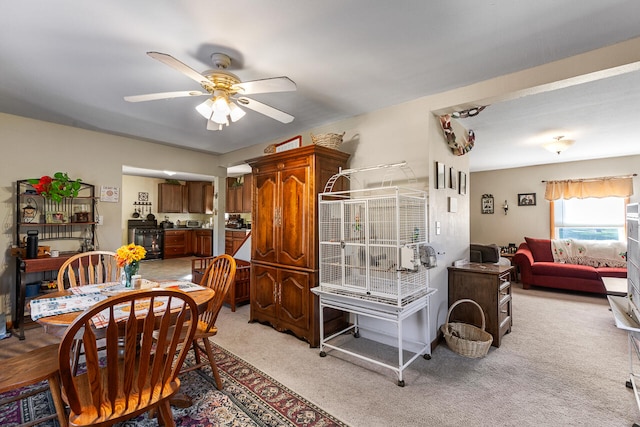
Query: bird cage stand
x: 373, y: 262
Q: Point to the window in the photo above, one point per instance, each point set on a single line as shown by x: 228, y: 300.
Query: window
x: 590, y: 218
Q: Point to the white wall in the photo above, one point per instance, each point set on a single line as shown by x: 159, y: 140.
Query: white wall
x: 532, y: 221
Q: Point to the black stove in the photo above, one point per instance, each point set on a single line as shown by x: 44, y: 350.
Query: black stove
x: 147, y: 234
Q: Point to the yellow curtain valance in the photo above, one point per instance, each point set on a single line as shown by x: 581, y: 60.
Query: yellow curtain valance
x: 583, y: 188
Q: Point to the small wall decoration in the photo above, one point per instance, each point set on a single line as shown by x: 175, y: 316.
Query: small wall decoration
x: 487, y: 204
x: 440, y: 175
x: 463, y: 183
x: 453, y: 179
x: 526, y: 199
x: 143, y: 196
x: 289, y: 144
x: 453, y: 205
x: 109, y: 194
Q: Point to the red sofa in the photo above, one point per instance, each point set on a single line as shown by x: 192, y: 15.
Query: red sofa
x: 537, y: 268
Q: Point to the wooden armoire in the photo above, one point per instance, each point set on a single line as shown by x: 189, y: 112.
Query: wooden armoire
x: 284, y: 239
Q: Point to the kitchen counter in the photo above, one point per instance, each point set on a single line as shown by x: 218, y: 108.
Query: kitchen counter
x: 238, y: 229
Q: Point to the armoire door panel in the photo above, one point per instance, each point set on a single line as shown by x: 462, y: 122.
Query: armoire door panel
x: 264, y: 290
x: 264, y: 219
x: 294, y: 298
x: 294, y: 233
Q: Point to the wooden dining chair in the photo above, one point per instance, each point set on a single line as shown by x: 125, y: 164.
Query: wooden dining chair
x: 88, y: 268
x: 31, y: 368
x: 136, y: 373
x: 219, y: 276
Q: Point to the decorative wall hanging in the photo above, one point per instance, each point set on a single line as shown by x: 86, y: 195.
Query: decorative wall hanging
x: 463, y: 183
x: 527, y: 199
x: 457, y: 148
x: 109, y: 194
x: 471, y: 112
x: 487, y: 204
x: 440, y: 175
x: 453, y: 179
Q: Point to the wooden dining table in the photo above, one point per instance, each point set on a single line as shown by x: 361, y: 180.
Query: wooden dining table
x: 58, y: 323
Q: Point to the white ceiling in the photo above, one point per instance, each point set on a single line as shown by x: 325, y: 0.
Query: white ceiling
x: 72, y: 62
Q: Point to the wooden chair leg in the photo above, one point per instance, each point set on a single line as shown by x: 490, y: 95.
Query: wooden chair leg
x: 212, y: 362
x: 165, y: 417
x: 196, y: 353
x: 56, y: 394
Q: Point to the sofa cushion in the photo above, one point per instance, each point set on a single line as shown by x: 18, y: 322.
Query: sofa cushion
x: 540, y: 249
x: 564, y: 270
x: 612, y: 272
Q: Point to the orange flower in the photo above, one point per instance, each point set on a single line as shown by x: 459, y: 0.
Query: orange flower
x: 129, y: 254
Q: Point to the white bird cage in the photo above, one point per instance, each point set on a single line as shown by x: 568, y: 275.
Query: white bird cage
x: 373, y: 244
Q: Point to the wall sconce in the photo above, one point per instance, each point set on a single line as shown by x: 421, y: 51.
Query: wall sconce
x: 505, y: 207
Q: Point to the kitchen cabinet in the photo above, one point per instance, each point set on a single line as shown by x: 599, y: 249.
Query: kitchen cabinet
x: 233, y: 240
x: 177, y: 243
x: 284, y: 238
x: 170, y: 198
x: 202, y: 242
x: 199, y: 197
x: 234, y: 196
x: 246, y: 193
x: 239, y: 196
x: 489, y: 286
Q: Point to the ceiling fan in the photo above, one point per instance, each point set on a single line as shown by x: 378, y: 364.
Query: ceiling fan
x: 225, y: 90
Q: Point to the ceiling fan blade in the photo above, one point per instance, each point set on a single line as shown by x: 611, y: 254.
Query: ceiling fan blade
x: 265, y: 109
x: 164, y: 95
x: 179, y: 66
x: 275, y: 84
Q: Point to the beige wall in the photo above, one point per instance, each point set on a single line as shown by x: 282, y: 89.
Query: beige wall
x: 32, y: 148
x: 532, y: 221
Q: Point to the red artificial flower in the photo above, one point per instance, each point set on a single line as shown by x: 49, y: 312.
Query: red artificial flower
x: 44, y: 185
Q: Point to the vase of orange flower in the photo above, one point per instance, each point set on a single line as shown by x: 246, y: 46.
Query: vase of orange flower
x: 128, y: 257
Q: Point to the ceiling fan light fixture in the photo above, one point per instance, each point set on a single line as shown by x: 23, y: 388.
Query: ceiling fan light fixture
x: 236, y: 113
x: 558, y: 145
x: 206, y: 108
x: 219, y: 117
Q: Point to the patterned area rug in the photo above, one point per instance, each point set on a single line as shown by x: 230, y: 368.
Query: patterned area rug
x: 249, y: 398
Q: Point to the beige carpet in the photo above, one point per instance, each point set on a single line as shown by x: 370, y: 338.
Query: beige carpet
x: 564, y: 364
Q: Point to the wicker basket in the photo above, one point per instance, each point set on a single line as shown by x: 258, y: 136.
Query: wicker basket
x: 329, y: 140
x: 467, y: 340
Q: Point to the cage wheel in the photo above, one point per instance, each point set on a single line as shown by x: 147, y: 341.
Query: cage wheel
x: 628, y: 384
x: 400, y: 383
x: 323, y: 354
x: 356, y: 334
x: 427, y: 356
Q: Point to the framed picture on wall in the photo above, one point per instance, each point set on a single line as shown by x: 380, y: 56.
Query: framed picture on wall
x: 487, y: 204
x: 453, y: 178
x: 463, y: 183
x: 527, y: 199
x: 440, y: 175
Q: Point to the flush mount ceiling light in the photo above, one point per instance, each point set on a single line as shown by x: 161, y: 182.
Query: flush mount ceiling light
x: 558, y: 145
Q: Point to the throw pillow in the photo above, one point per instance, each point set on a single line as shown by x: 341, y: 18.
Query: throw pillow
x: 540, y: 249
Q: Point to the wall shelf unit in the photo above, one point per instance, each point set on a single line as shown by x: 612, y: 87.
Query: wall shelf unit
x: 57, y: 223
